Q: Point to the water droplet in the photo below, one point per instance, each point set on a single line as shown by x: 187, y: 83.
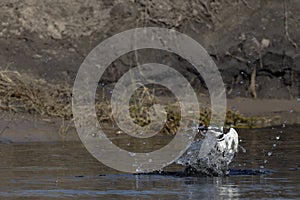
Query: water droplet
x: 241, y: 82
x: 138, y: 170
x: 270, y: 153
x: 274, y: 145
x: 261, y: 167
x: 144, y: 142
x: 291, y: 111
x: 277, y: 137
x: 243, y: 149
x: 119, y: 132
x: 265, y: 161
x: 128, y: 144
x: 132, y: 154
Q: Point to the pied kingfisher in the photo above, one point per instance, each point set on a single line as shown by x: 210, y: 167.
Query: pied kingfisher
x: 211, y: 155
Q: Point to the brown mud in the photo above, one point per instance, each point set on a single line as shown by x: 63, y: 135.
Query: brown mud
x: 255, y: 45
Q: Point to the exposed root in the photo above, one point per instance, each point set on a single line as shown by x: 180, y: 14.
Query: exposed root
x: 286, y: 26
x: 252, y: 88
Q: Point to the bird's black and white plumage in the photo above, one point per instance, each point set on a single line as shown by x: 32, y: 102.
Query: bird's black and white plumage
x: 211, y: 155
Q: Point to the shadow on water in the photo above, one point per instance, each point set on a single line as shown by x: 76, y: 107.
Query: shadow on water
x: 269, y: 168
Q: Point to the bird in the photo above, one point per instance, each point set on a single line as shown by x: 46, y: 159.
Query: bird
x: 211, y: 155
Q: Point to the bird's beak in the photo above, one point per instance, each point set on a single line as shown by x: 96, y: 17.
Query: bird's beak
x: 202, y: 128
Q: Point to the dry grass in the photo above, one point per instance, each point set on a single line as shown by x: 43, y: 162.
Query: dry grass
x: 22, y: 94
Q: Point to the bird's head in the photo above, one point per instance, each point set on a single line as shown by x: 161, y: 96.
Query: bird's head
x: 227, y: 140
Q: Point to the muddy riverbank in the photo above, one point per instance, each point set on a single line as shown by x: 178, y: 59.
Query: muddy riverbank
x: 50, y: 39
x: 34, y: 128
x: 255, y: 45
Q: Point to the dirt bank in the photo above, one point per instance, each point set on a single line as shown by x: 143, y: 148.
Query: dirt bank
x: 32, y: 128
x: 50, y: 39
x: 255, y: 45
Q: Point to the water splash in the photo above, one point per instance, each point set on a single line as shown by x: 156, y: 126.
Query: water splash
x: 270, y: 153
x: 212, y: 155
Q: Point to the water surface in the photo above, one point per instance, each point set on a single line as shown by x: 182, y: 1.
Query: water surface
x: 66, y: 170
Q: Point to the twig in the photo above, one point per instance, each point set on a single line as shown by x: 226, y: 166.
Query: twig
x: 238, y: 14
x: 247, y: 4
x: 7, y: 126
x: 236, y: 57
x: 286, y: 26
x: 252, y: 83
x: 2, y: 131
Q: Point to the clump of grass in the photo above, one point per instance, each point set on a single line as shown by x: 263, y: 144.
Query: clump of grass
x: 21, y: 93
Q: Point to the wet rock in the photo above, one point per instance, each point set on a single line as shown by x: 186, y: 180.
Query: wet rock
x: 268, y: 86
x: 251, y: 47
x: 297, y: 65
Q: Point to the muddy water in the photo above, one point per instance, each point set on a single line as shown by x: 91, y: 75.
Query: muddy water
x: 67, y: 171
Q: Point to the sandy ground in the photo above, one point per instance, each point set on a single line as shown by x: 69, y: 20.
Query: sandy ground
x: 275, y: 111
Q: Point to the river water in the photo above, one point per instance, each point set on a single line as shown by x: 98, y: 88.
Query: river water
x: 268, y: 167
